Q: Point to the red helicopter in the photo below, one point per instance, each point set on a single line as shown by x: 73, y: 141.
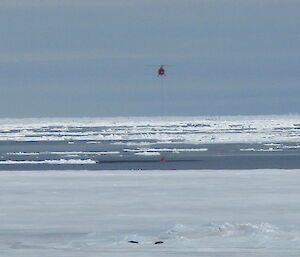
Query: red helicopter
x: 161, y: 71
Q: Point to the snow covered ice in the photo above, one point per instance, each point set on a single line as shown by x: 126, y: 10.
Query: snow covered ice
x: 207, y: 213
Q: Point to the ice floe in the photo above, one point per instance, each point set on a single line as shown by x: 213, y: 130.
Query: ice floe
x: 66, y: 153
x: 56, y: 162
x: 174, y: 150
x: 270, y: 149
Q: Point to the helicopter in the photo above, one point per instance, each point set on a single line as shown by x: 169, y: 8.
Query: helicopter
x: 161, y: 71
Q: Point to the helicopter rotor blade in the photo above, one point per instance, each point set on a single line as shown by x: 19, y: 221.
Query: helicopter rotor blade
x: 158, y: 65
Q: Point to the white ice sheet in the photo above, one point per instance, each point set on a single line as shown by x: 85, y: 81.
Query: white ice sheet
x: 195, y: 213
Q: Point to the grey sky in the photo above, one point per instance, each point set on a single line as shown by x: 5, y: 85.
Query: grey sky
x: 89, y: 57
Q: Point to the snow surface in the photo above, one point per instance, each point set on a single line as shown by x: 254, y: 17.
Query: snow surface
x: 194, y: 213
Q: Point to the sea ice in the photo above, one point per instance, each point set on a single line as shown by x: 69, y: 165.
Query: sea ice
x: 192, y: 213
x: 147, y: 130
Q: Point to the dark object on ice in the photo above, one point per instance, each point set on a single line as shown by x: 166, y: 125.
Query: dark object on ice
x: 133, y: 242
x: 162, y: 159
x: 158, y: 242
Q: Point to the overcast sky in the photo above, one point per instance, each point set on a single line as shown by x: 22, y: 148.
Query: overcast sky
x: 76, y: 58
